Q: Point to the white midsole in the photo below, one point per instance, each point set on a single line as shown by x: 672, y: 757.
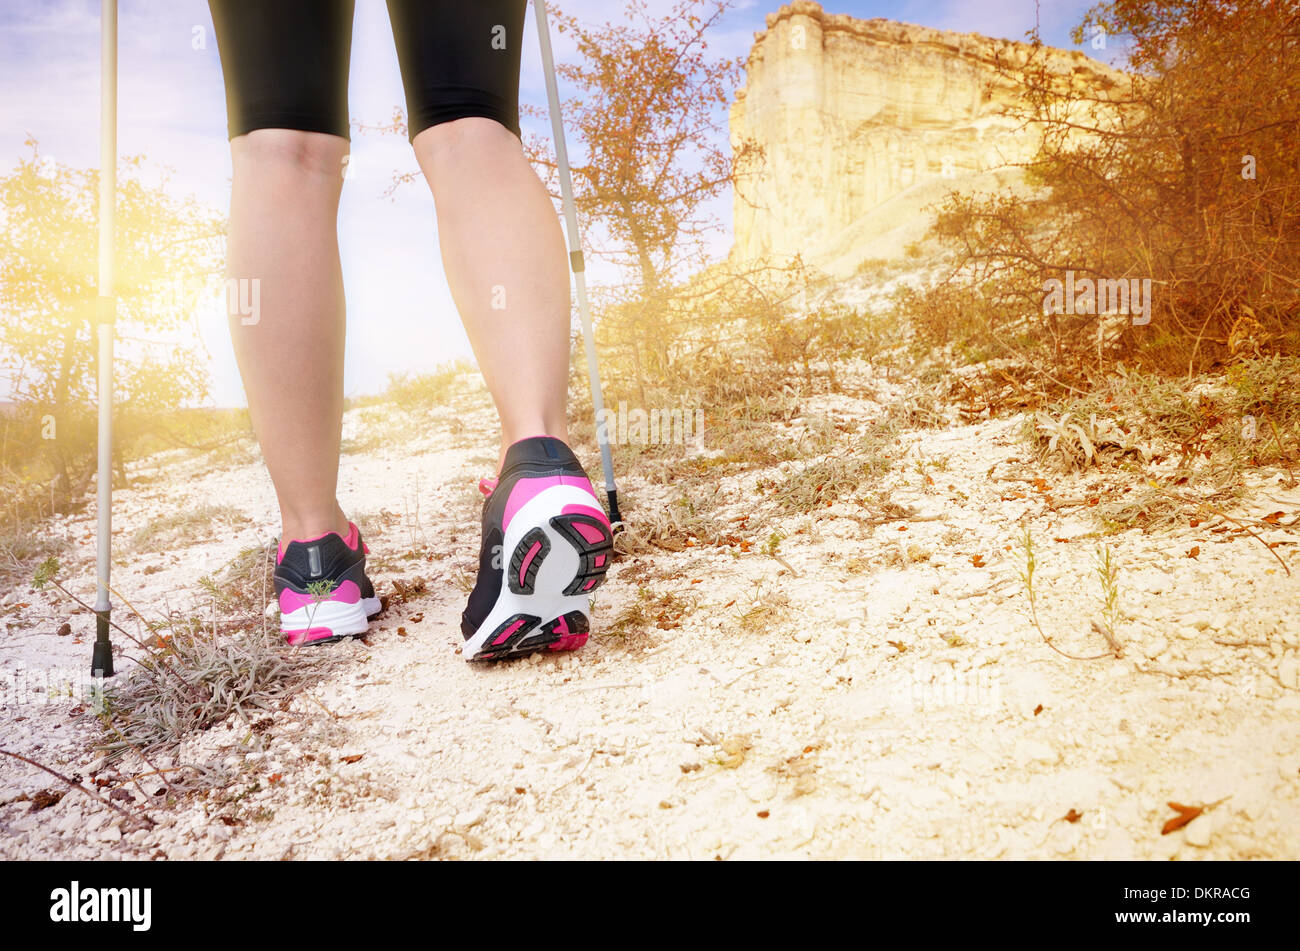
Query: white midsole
x: 558, y: 568
x: 341, y: 618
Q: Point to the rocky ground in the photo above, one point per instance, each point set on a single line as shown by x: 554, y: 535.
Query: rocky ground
x: 862, y: 680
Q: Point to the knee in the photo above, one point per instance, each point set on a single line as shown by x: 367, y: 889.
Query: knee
x: 312, y: 154
x: 473, y: 135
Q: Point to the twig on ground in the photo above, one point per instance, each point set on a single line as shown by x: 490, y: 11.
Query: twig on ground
x: 148, y: 823
x: 1246, y: 529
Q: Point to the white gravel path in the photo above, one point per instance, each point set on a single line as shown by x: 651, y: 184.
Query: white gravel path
x: 900, y: 706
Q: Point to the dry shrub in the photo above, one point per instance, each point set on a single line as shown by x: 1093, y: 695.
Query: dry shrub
x: 1149, y: 179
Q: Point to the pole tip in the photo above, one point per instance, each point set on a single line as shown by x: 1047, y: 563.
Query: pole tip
x: 101, y: 661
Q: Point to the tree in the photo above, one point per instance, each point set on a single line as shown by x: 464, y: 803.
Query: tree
x: 167, y: 250
x: 1186, y: 175
x: 647, y: 118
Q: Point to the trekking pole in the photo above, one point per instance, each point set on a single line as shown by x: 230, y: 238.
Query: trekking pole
x: 101, y: 664
x: 575, y: 256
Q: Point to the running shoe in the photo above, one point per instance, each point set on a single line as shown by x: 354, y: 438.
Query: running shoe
x: 546, y: 546
x: 323, y: 589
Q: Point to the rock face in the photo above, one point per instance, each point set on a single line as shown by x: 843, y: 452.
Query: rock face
x: 863, y: 123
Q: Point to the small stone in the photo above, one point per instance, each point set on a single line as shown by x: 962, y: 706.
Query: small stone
x: 1155, y: 648
x: 1199, y: 830
x: 805, y: 784
x: 469, y: 818
x: 1288, y: 672
x: 534, y: 829
x: 271, y: 610
x: 1034, y: 751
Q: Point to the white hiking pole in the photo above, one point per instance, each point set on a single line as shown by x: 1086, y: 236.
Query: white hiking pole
x: 575, y: 255
x: 101, y: 664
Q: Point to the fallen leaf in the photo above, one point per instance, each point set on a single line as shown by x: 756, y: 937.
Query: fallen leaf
x: 416, y: 618
x: 763, y: 813
x: 276, y: 777
x: 401, y: 632
x: 1185, y: 815
x: 1274, y: 518
x: 1072, y: 816
x: 353, y: 758
x: 898, y: 646
x: 977, y: 561
x: 1038, y: 709
x: 46, y: 798
x: 1194, y: 551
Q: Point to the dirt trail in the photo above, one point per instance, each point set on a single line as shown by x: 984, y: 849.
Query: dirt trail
x: 867, y: 690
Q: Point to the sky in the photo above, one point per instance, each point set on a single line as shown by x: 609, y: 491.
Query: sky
x: 172, y: 111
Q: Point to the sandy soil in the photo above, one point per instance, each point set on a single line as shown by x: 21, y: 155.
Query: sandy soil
x: 874, y: 689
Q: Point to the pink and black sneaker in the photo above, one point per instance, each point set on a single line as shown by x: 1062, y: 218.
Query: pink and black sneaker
x: 323, y: 589
x: 546, y: 546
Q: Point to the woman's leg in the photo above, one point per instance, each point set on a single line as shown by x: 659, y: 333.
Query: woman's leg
x: 285, y: 67
x: 283, y: 235
x: 506, y: 263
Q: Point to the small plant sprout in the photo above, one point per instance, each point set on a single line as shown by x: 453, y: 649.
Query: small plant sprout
x: 1028, y: 565
x: 319, y: 591
x: 927, y: 481
x: 1108, y: 574
x: 770, y: 548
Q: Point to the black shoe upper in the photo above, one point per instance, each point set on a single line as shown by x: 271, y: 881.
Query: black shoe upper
x: 323, y: 559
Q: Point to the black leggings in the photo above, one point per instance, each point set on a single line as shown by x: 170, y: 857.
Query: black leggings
x: 286, y: 61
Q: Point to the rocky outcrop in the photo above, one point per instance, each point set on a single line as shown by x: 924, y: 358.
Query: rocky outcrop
x: 863, y: 123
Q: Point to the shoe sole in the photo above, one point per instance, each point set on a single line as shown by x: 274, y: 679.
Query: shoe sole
x: 328, y: 621
x: 559, y: 546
